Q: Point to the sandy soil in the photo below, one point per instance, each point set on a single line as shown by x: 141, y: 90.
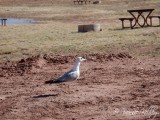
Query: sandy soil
x: 111, y: 87
x: 7, y: 2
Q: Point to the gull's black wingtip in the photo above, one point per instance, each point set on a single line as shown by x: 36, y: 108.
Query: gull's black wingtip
x: 52, y: 81
x: 49, y: 82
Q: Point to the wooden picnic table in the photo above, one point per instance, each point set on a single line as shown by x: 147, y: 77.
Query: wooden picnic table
x: 141, y: 13
x: 3, y: 21
x: 80, y: 2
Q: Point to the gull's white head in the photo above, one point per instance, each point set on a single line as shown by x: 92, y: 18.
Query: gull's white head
x: 80, y: 59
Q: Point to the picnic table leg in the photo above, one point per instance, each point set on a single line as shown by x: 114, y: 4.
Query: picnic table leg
x: 150, y: 21
x: 131, y: 24
x: 122, y: 24
x: 4, y: 22
x: 147, y: 18
x: 137, y: 18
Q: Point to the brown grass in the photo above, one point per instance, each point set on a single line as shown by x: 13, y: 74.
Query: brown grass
x: 57, y: 31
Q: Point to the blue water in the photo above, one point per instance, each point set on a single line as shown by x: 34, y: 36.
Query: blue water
x: 19, y: 21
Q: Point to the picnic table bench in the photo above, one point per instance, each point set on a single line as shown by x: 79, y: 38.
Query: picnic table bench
x: 80, y: 2
x: 150, y: 17
x: 124, y: 19
x: 138, y: 14
x: 3, y: 21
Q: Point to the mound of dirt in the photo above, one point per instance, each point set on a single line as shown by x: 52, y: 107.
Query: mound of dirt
x: 23, y: 66
x: 110, y: 57
x: 58, y: 59
x: 11, y: 68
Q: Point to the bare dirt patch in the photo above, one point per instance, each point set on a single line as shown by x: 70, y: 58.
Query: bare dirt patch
x: 11, y: 68
x: 115, y: 86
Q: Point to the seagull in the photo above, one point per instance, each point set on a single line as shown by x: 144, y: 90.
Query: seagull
x: 72, y: 74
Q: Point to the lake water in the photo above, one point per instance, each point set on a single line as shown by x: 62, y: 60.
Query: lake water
x: 19, y: 21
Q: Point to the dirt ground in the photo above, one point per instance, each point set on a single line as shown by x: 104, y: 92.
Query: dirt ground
x: 111, y: 87
x: 117, y: 86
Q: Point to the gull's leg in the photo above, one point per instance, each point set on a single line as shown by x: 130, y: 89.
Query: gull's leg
x: 65, y: 90
x: 62, y: 88
x: 69, y: 90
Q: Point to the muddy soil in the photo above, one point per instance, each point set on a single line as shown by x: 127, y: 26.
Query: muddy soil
x: 111, y: 87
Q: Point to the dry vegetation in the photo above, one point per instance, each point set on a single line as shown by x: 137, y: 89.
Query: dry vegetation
x: 58, y: 33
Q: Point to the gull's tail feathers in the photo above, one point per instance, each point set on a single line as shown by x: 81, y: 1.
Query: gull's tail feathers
x: 49, y: 82
x: 53, y: 81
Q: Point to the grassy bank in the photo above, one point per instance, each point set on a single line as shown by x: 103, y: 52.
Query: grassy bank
x: 58, y: 38
x: 58, y: 34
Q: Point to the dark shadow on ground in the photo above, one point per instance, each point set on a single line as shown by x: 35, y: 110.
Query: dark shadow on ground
x: 126, y: 28
x: 44, y: 96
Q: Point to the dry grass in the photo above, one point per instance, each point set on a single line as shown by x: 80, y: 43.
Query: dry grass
x: 58, y: 34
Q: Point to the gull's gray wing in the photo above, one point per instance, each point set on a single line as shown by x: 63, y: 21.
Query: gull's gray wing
x: 68, y: 76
